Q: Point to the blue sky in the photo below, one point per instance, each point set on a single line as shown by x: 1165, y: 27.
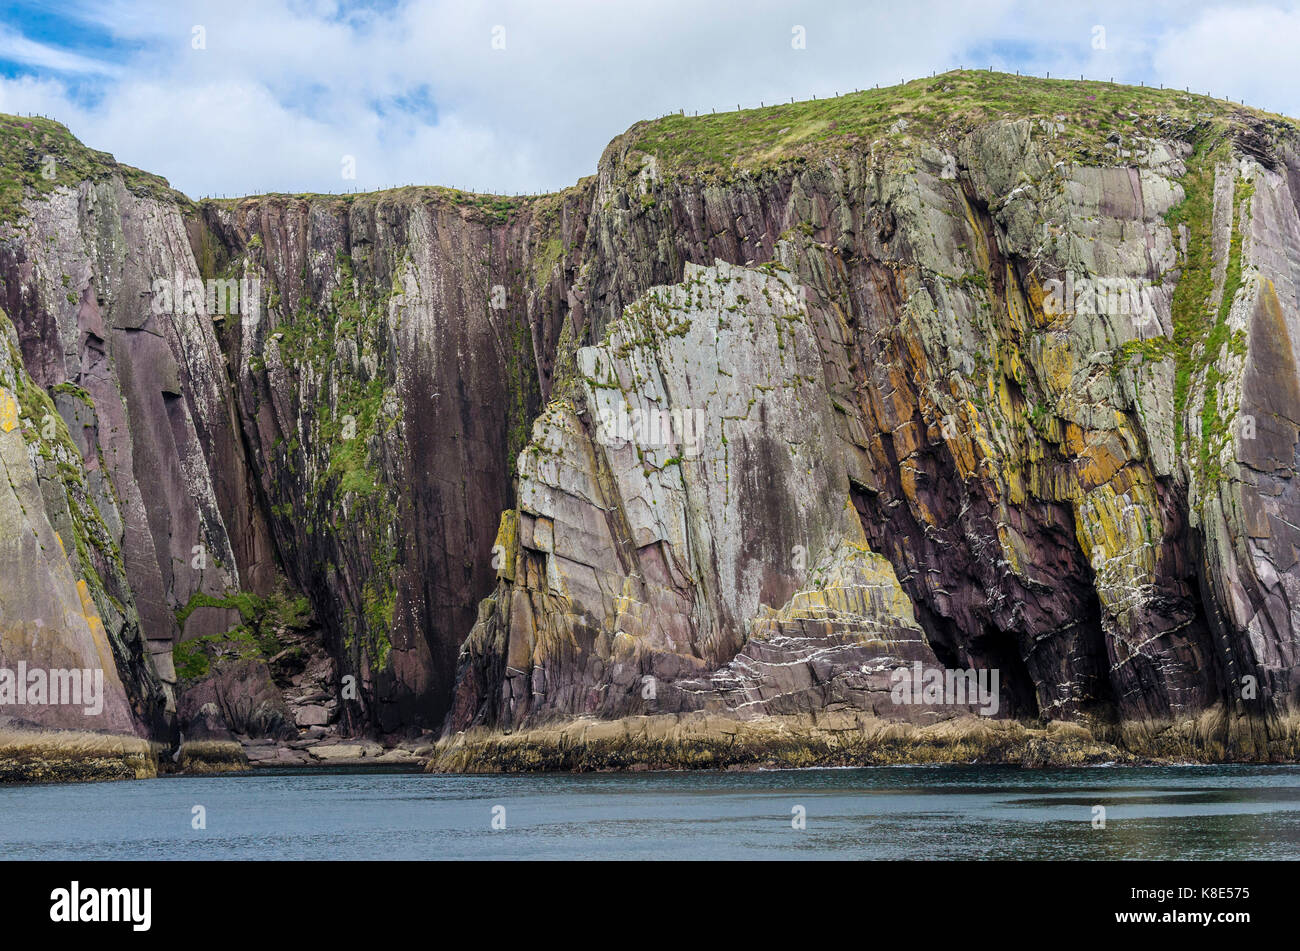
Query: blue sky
x: 245, y: 96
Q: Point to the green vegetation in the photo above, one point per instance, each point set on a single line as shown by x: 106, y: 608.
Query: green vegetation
x: 1214, y: 428
x: 931, y: 110
x: 38, y: 155
x: 352, y: 414
x: 264, y: 622
x: 341, y: 345
x: 497, y: 209
x: 1152, y: 350
x: 548, y: 253
x: 1201, y: 331
x: 73, y: 390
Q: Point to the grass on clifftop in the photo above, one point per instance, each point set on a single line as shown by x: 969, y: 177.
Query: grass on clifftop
x: 931, y: 109
x: 26, y: 142
x: 33, y: 148
x: 934, y: 109
x: 494, y: 208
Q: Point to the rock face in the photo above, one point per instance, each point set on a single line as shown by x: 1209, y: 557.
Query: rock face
x: 139, y: 397
x: 685, y: 539
x: 238, y: 698
x: 384, y: 391
x: 51, y: 620
x: 983, y: 374
x: 1041, y: 378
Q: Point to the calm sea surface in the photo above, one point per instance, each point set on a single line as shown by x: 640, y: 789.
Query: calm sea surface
x: 943, y: 812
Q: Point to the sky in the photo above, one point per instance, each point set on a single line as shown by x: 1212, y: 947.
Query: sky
x: 235, y: 97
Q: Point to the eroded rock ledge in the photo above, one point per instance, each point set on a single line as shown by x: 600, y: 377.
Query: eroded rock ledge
x: 854, y: 738
x: 66, y: 756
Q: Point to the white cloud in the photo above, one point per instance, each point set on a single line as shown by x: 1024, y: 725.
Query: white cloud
x: 285, y: 89
x: 1236, y: 53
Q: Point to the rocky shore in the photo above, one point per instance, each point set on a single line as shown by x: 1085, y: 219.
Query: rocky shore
x: 72, y: 756
x: 852, y: 738
x: 842, y: 738
x: 79, y: 757
x: 319, y: 749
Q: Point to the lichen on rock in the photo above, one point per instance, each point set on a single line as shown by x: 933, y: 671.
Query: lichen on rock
x: 981, y: 372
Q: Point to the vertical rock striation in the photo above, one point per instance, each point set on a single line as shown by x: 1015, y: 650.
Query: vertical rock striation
x: 384, y: 391
x: 1047, y: 372
x: 979, y: 372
